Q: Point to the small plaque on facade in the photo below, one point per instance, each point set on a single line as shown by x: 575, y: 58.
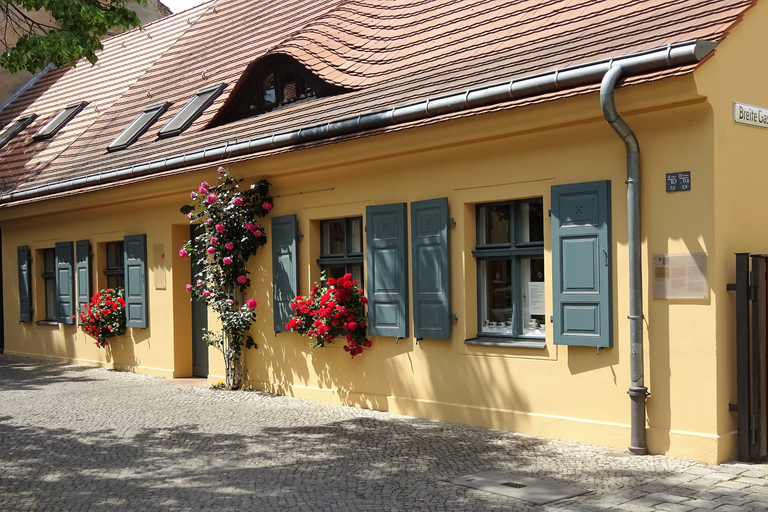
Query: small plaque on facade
x: 750, y: 115
x: 158, y: 253
x: 677, y: 181
x: 680, y: 276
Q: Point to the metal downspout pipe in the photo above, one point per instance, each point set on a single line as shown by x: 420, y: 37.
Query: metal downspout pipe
x: 637, y: 390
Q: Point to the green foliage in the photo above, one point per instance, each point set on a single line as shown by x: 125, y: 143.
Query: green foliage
x: 81, y: 24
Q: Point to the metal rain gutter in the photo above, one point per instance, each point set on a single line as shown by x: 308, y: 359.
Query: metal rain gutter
x: 667, y: 57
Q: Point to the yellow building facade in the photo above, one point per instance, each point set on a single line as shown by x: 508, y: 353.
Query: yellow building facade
x: 684, y: 123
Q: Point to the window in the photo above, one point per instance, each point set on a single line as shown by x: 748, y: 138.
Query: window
x: 191, y: 111
x: 60, y: 120
x: 115, y: 268
x: 277, y: 86
x: 341, y: 247
x: 49, y: 280
x: 510, y: 269
x: 271, y: 83
x: 16, y: 128
x: 139, y: 126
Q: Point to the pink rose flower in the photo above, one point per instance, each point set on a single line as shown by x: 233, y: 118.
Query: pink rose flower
x: 229, y: 246
x: 193, y: 195
x: 214, y: 241
x: 188, y: 287
x: 220, y: 170
x: 230, y: 301
x: 210, y: 250
x: 209, y: 222
x: 242, y: 279
x: 220, y: 228
x: 266, y: 206
x: 249, y: 226
x: 210, y: 198
x: 251, y: 303
x: 203, y: 188
x: 183, y: 252
x: 238, y: 201
x: 199, y: 282
x: 189, y: 215
x: 226, y: 260
x: 206, y: 293
x: 257, y: 233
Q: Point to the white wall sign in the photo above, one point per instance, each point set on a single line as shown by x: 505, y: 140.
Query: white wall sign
x: 680, y: 276
x: 750, y: 115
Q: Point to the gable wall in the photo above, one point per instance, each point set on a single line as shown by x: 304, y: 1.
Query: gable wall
x: 736, y: 73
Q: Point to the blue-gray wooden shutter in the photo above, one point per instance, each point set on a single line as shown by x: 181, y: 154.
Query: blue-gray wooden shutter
x: 65, y: 282
x: 387, y: 255
x: 431, y: 269
x: 25, y: 284
x: 83, y: 266
x: 285, y: 270
x: 135, y: 261
x: 581, y: 264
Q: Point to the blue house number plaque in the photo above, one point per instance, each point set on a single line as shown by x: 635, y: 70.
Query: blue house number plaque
x: 677, y: 181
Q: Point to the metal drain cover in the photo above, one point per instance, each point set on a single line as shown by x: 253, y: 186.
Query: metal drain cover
x: 518, y: 486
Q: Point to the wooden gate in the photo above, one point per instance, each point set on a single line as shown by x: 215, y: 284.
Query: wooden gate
x: 751, y: 289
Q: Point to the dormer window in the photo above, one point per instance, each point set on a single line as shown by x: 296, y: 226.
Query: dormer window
x: 269, y: 84
x: 278, y: 86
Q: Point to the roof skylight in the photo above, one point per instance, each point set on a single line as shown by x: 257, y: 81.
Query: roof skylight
x: 139, y: 126
x: 16, y: 128
x: 191, y: 111
x: 61, y: 119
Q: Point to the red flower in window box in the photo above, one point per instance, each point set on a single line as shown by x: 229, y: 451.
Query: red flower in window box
x: 336, y: 309
x: 104, y: 316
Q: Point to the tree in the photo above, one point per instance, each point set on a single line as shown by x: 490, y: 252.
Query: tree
x: 29, y: 42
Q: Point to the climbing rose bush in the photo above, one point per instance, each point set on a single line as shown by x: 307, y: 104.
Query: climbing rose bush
x: 104, y: 316
x: 333, y: 309
x: 228, y: 214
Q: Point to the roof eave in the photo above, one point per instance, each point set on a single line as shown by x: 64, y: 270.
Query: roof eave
x: 633, y: 64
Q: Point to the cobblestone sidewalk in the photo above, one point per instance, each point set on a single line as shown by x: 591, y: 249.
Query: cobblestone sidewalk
x: 85, y: 439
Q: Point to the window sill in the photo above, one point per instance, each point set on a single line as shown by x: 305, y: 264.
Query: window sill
x: 501, y: 342
x: 52, y: 323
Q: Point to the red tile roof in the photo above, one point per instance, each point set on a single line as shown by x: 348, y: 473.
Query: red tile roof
x: 386, y: 53
x: 124, y: 59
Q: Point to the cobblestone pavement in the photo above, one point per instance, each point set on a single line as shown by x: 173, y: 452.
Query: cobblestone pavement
x: 83, y: 439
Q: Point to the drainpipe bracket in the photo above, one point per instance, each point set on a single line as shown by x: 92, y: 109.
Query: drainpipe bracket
x: 638, y: 392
